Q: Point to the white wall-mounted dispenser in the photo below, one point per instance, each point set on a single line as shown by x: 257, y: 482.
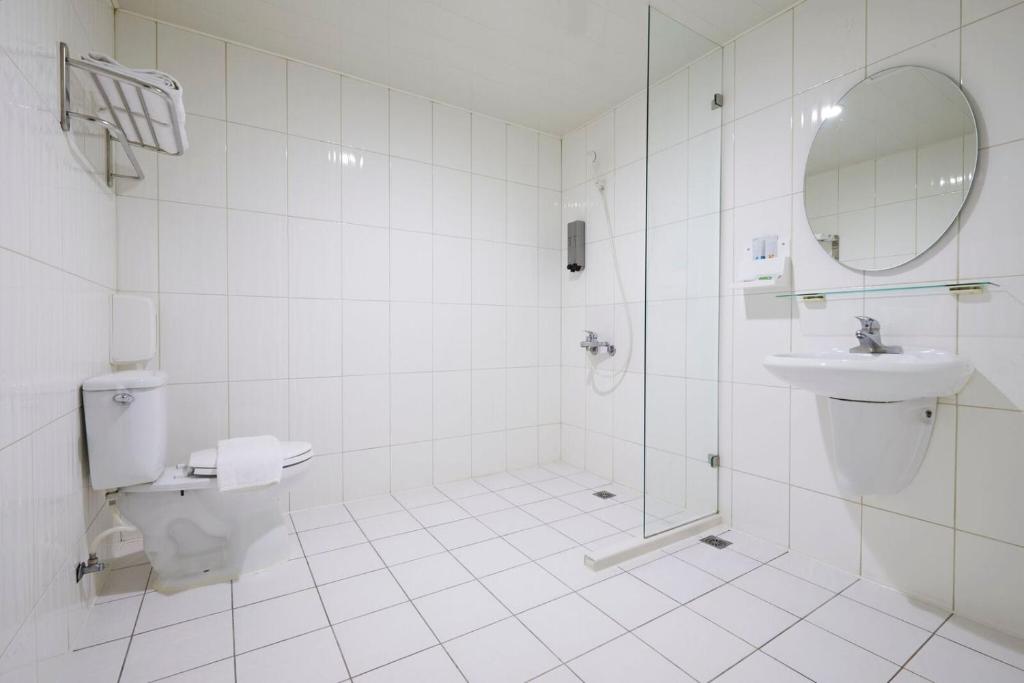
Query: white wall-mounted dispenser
x: 764, y: 263
x: 576, y: 242
x: 132, y: 329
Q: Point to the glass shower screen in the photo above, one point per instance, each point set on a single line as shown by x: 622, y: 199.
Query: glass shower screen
x: 684, y: 129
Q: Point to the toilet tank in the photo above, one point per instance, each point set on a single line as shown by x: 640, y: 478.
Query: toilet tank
x: 125, y: 427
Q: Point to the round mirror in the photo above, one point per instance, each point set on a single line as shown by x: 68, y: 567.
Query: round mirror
x: 890, y: 167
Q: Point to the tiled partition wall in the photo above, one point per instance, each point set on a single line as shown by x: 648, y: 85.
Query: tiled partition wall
x: 954, y: 536
x: 57, y: 252
x: 602, y: 397
x: 349, y: 265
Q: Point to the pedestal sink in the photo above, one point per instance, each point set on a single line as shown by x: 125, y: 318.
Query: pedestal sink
x: 881, y: 408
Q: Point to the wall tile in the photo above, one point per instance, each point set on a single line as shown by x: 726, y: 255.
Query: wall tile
x: 364, y: 115
x: 411, y: 126
x: 896, y: 26
x: 257, y: 169
x: 314, y: 103
x: 256, y: 88
x: 983, y: 595
x: 909, y: 555
x: 197, y: 62
x: 764, y: 65
x: 828, y: 41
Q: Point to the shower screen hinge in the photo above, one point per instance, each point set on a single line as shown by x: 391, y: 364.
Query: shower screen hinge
x: 714, y: 460
x: 717, y: 101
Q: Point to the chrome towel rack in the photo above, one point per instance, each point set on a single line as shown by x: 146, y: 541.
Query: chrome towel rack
x: 112, y: 125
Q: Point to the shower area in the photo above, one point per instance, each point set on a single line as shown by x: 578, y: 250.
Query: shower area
x: 645, y: 179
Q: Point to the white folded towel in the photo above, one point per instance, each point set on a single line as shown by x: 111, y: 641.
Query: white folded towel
x: 163, y: 121
x: 248, y: 462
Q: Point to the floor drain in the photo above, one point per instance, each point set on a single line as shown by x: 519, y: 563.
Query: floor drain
x: 604, y: 494
x: 716, y: 542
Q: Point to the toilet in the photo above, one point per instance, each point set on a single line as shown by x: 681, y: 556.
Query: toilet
x: 192, y: 533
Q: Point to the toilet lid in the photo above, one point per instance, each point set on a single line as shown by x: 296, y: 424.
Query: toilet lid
x: 204, y: 462
x: 188, y: 477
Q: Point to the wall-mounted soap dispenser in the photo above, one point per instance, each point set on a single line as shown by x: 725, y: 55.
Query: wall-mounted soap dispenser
x: 576, y: 242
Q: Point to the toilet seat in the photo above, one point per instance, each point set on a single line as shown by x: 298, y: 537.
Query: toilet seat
x: 201, y: 470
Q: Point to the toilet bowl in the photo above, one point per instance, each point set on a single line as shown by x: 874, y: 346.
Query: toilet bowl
x: 192, y: 533
x: 195, y: 534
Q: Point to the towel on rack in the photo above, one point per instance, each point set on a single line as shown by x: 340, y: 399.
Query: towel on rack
x: 131, y: 104
x: 248, y: 462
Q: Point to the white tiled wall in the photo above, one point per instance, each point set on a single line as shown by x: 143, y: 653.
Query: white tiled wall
x: 57, y: 261
x: 603, y: 397
x: 349, y: 265
x: 953, y: 536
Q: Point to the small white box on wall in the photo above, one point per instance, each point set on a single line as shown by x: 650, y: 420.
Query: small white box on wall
x: 764, y: 263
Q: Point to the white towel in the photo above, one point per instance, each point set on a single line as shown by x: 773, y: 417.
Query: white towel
x: 248, y: 462
x: 157, y: 107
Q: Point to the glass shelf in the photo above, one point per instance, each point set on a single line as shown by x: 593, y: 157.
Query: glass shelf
x: 953, y: 288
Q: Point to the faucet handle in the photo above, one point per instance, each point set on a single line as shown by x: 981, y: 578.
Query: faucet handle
x: 591, y: 335
x: 868, y: 324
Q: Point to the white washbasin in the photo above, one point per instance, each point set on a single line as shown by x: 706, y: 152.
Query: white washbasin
x: 915, y: 373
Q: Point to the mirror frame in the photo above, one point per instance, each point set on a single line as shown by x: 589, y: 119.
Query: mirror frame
x: 973, y: 171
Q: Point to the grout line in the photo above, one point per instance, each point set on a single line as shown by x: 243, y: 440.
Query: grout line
x: 135, y: 625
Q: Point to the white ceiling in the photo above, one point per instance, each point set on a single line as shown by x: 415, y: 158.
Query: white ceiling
x: 548, y: 64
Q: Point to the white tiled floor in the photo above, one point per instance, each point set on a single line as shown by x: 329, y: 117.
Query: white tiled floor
x: 484, y: 581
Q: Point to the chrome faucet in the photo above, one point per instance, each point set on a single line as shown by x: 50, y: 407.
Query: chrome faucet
x: 870, y: 337
x: 593, y: 345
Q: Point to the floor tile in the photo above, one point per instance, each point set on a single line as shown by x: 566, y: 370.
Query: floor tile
x: 484, y: 503
x: 124, y: 583
x: 724, y: 564
x: 675, y: 578
x: 694, y: 644
x: 462, y: 489
x: 986, y: 640
x: 459, y: 610
x: 742, y: 614
x: 314, y: 518
x: 97, y: 664
x: 588, y: 502
x: 294, y: 547
x: 628, y: 600
x: 359, y: 595
x: 382, y: 637
x: 281, y: 579
x: 526, y: 586
x: 816, y: 572
x: 330, y: 538
x: 417, y: 498
x: 559, y: 486
x: 276, y: 619
x: 761, y: 668
x: 626, y: 658
x: 430, y: 574
x: 499, y: 481
x: 570, y: 626
x: 463, y: 532
x: 108, y: 621
x: 897, y: 604
x: 405, y: 547
x: 509, y: 521
x: 562, y: 674
x: 159, y: 609
x: 621, y: 517
x: 540, y: 542
x: 826, y: 658
x: 752, y: 546
x: 388, y: 524
x: 344, y: 562
x: 310, y: 658
x: 433, y: 665
x: 218, y: 672
x: 783, y: 590
x: 551, y: 510
x: 504, y: 652
x: 588, y: 480
x: 523, y: 495
x: 197, y: 642
x: 489, y: 557
x: 569, y: 568
x: 371, y: 507
x: 439, y: 513
x: 584, y: 528
x: 875, y: 631
x: 944, y: 661
x: 533, y: 474
x: 907, y: 676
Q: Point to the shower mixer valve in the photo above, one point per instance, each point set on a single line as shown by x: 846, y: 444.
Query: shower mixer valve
x: 592, y: 344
